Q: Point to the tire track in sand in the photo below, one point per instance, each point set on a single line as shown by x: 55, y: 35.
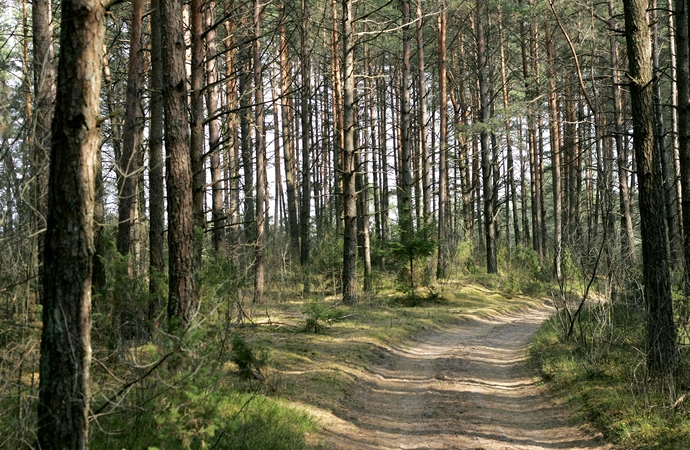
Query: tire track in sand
x: 468, y: 387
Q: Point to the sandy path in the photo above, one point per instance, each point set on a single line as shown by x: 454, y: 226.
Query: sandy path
x: 465, y: 388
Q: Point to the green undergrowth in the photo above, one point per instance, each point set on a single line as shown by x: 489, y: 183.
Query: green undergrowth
x: 600, y: 373
x: 252, y: 377
x: 242, y: 375
x: 320, y: 365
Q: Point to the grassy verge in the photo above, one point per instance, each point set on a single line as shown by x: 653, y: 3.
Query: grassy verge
x: 600, y: 374
x: 294, y: 378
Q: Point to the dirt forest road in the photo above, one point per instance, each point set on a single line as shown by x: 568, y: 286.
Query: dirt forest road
x: 468, y: 387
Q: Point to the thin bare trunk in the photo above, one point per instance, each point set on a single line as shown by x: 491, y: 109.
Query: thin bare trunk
x: 486, y: 158
x: 212, y: 105
x: 128, y: 165
x: 348, y: 159
x: 196, y: 145
x: 627, y: 234
x: 259, y: 141
x: 156, y: 194
x: 555, y: 143
x: 305, y: 204
x: 286, y: 112
x: 443, y: 262
x: 405, y: 207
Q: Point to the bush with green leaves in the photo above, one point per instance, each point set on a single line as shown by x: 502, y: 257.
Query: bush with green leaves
x: 124, y: 309
x: 250, y: 362
x: 411, y: 248
x: 522, y: 272
x: 319, y: 314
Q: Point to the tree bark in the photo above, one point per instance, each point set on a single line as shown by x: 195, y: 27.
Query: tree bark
x: 423, y: 119
x: 627, y: 234
x: 305, y: 204
x: 348, y: 159
x: 405, y: 207
x: 259, y: 141
x: 338, y: 109
x: 510, y: 169
x: 64, y: 391
x: 244, y: 57
x: 44, y: 100
x: 196, y: 143
x: 555, y: 142
x: 286, y: 112
x: 683, y: 75
x: 156, y: 187
x: 212, y: 105
x: 444, y: 248
x: 661, y: 332
x: 181, y: 288
x: 667, y: 171
x: 486, y: 157
x: 128, y: 165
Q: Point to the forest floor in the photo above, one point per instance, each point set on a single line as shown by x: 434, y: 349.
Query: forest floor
x: 468, y: 386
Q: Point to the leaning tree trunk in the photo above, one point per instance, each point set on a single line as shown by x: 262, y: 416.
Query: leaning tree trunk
x: 63, y: 403
x: 661, y: 332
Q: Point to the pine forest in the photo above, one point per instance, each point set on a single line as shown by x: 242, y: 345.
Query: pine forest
x: 221, y: 219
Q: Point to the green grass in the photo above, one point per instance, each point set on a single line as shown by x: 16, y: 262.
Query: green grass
x: 316, y: 352
x: 600, y: 374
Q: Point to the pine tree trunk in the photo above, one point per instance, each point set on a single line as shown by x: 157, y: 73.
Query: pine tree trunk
x: 279, y: 202
x: 405, y: 207
x: 44, y: 100
x: 661, y: 332
x: 667, y: 172
x: 156, y: 194
x: 555, y: 142
x: 212, y: 105
x: 181, y: 289
x: 338, y: 108
x: 486, y: 158
x: 627, y: 234
x: 196, y: 104
x: 64, y: 392
x: 510, y: 169
x: 286, y: 119
x: 305, y: 204
x: 683, y: 76
x: 423, y: 120
x: 348, y: 160
x: 128, y: 165
x: 259, y: 141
